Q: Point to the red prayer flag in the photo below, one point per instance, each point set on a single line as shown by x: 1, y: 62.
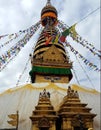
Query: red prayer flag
x: 62, y: 38
x: 48, y: 40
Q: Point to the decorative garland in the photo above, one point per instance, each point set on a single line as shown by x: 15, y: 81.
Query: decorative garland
x: 88, y: 78
x: 22, y: 72
x: 83, y: 59
x: 85, y: 44
x: 89, y: 46
x: 28, y: 80
x: 2, y: 36
x: 15, y: 35
x: 14, y: 50
x: 5, y: 65
x: 29, y: 59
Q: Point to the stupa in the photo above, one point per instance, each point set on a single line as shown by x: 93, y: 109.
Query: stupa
x: 50, y: 102
x: 50, y: 62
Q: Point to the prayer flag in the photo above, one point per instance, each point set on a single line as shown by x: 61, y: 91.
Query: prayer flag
x: 73, y: 31
x: 64, y: 35
x: 48, y: 40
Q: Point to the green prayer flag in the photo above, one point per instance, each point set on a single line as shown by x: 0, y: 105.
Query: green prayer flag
x: 65, y: 33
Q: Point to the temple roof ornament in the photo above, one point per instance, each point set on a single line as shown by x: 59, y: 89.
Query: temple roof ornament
x: 48, y: 13
x: 48, y: 2
x: 44, y: 94
x: 71, y: 93
x: 44, y: 112
x: 73, y: 107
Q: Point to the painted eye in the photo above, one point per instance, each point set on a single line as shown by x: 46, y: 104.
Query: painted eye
x: 47, y: 77
x: 57, y: 78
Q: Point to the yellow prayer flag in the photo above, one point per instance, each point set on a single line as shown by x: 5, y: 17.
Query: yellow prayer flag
x: 73, y: 31
x: 12, y: 122
x: 56, y: 39
x: 72, y: 28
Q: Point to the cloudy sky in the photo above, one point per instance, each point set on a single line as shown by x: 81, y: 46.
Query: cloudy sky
x: 18, y: 15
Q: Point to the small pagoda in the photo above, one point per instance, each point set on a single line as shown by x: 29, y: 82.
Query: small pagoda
x: 75, y: 115
x: 44, y: 116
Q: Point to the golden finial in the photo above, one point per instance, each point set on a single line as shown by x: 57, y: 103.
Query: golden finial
x: 48, y: 2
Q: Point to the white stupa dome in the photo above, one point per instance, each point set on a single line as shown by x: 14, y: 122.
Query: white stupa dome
x: 25, y: 98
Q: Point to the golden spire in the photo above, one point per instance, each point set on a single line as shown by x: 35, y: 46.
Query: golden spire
x: 48, y: 2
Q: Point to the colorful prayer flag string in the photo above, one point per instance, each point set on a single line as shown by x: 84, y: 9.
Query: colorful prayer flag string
x: 25, y: 68
x: 87, y: 45
x: 91, y: 65
x: 2, y: 36
x: 14, y: 50
x: 79, y: 39
x: 14, y: 36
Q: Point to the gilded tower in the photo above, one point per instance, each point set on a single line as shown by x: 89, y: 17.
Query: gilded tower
x: 44, y: 116
x: 50, y: 62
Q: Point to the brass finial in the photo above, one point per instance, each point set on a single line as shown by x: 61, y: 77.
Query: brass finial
x: 48, y: 2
